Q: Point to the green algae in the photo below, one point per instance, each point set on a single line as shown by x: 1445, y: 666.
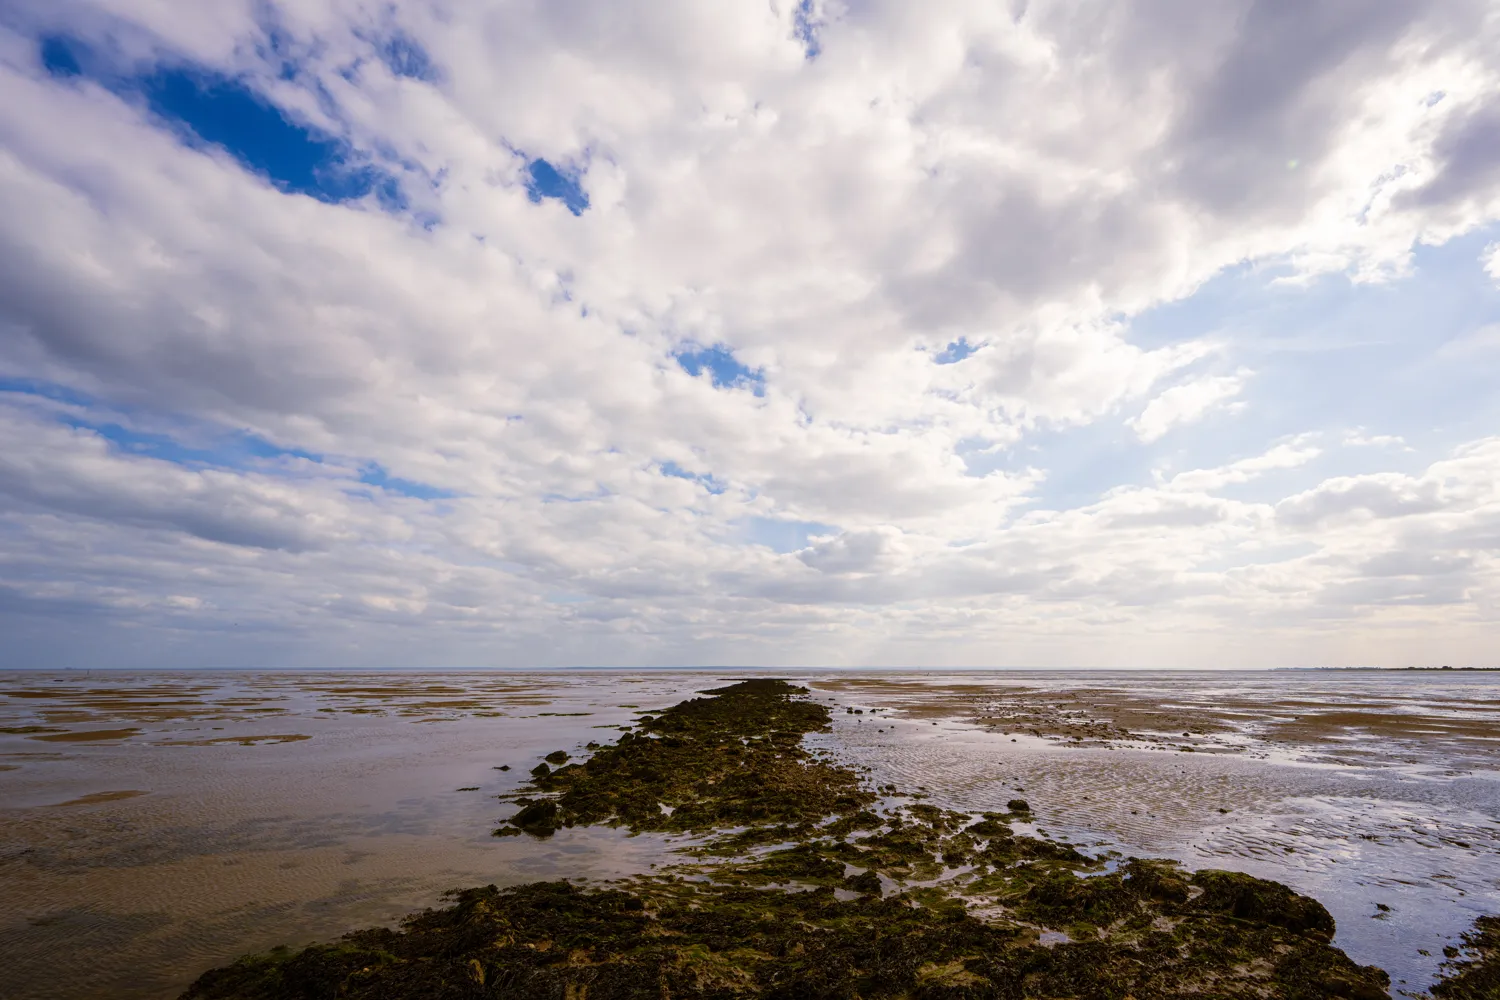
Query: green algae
x: 801, y: 882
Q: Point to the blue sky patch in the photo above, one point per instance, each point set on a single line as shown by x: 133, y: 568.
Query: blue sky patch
x: 297, y: 158
x: 404, y: 56
x: 723, y: 367
x: 705, y: 480
x: 954, y: 352
x: 205, y: 446
x: 783, y: 536
x: 45, y: 390
x: 805, y: 28
x: 208, y: 107
x: 239, y: 451
x: 375, y: 475
x: 543, y: 180
x: 61, y: 57
x: 159, y: 446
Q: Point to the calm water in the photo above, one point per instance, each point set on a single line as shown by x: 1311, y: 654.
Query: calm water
x: 154, y: 825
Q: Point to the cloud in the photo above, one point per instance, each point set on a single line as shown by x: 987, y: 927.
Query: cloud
x: 1490, y: 261
x: 1185, y: 404
x: 867, y: 551
x: 1287, y: 455
x: 1359, y: 439
x: 1383, y: 495
x: 809, y: 258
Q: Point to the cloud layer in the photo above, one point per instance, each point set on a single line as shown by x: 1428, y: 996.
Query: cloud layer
x: 509, y: 333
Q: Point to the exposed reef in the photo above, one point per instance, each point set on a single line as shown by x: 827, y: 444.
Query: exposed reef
x: 802, y: 882
x: 734, y: 758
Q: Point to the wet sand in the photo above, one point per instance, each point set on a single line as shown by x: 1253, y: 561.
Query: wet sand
x: 229, y: 813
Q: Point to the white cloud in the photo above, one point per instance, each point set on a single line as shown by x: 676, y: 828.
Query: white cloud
x: 1287, y: 455
x: 1490, y: 261
x: 1359, y: 439
x: 1185, y: 404
x: 867, y: 551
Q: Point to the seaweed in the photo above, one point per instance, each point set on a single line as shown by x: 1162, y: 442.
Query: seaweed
x: 554, y: 939
x: 734, y: 758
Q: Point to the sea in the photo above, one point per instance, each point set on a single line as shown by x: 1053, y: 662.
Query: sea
x: 156, y: 824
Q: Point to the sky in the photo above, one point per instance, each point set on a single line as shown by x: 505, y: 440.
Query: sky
x: 503, y: 333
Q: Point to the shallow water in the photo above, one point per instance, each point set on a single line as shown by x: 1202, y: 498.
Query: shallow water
x: 154, y: 825
x: 131, y: 865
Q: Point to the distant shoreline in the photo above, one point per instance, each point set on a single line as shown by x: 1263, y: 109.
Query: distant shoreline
x: 1403, y: 670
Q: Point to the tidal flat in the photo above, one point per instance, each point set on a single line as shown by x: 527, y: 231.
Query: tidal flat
x: 227, y: 814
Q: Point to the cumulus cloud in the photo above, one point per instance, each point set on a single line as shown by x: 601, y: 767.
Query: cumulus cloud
x: 670, y: 331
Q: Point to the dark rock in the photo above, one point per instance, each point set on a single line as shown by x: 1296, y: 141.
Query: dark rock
x: 540, y: 818
x: 1248, y: 898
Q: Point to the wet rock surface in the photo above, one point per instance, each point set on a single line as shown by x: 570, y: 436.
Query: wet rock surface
x: 804, y: 883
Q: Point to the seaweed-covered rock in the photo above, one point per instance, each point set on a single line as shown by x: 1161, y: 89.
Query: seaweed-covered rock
x: 1018, y: 806
x: 688, y: 940
x: 557, y: 757
x: 733, y: 758
x: 1473, y: 973
x: 1248, y: 898
x: 538, y: 818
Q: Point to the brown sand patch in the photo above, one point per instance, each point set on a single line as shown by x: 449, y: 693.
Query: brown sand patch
x: 244, y: 741
x: 98, y: 797
x: 87, y: 736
